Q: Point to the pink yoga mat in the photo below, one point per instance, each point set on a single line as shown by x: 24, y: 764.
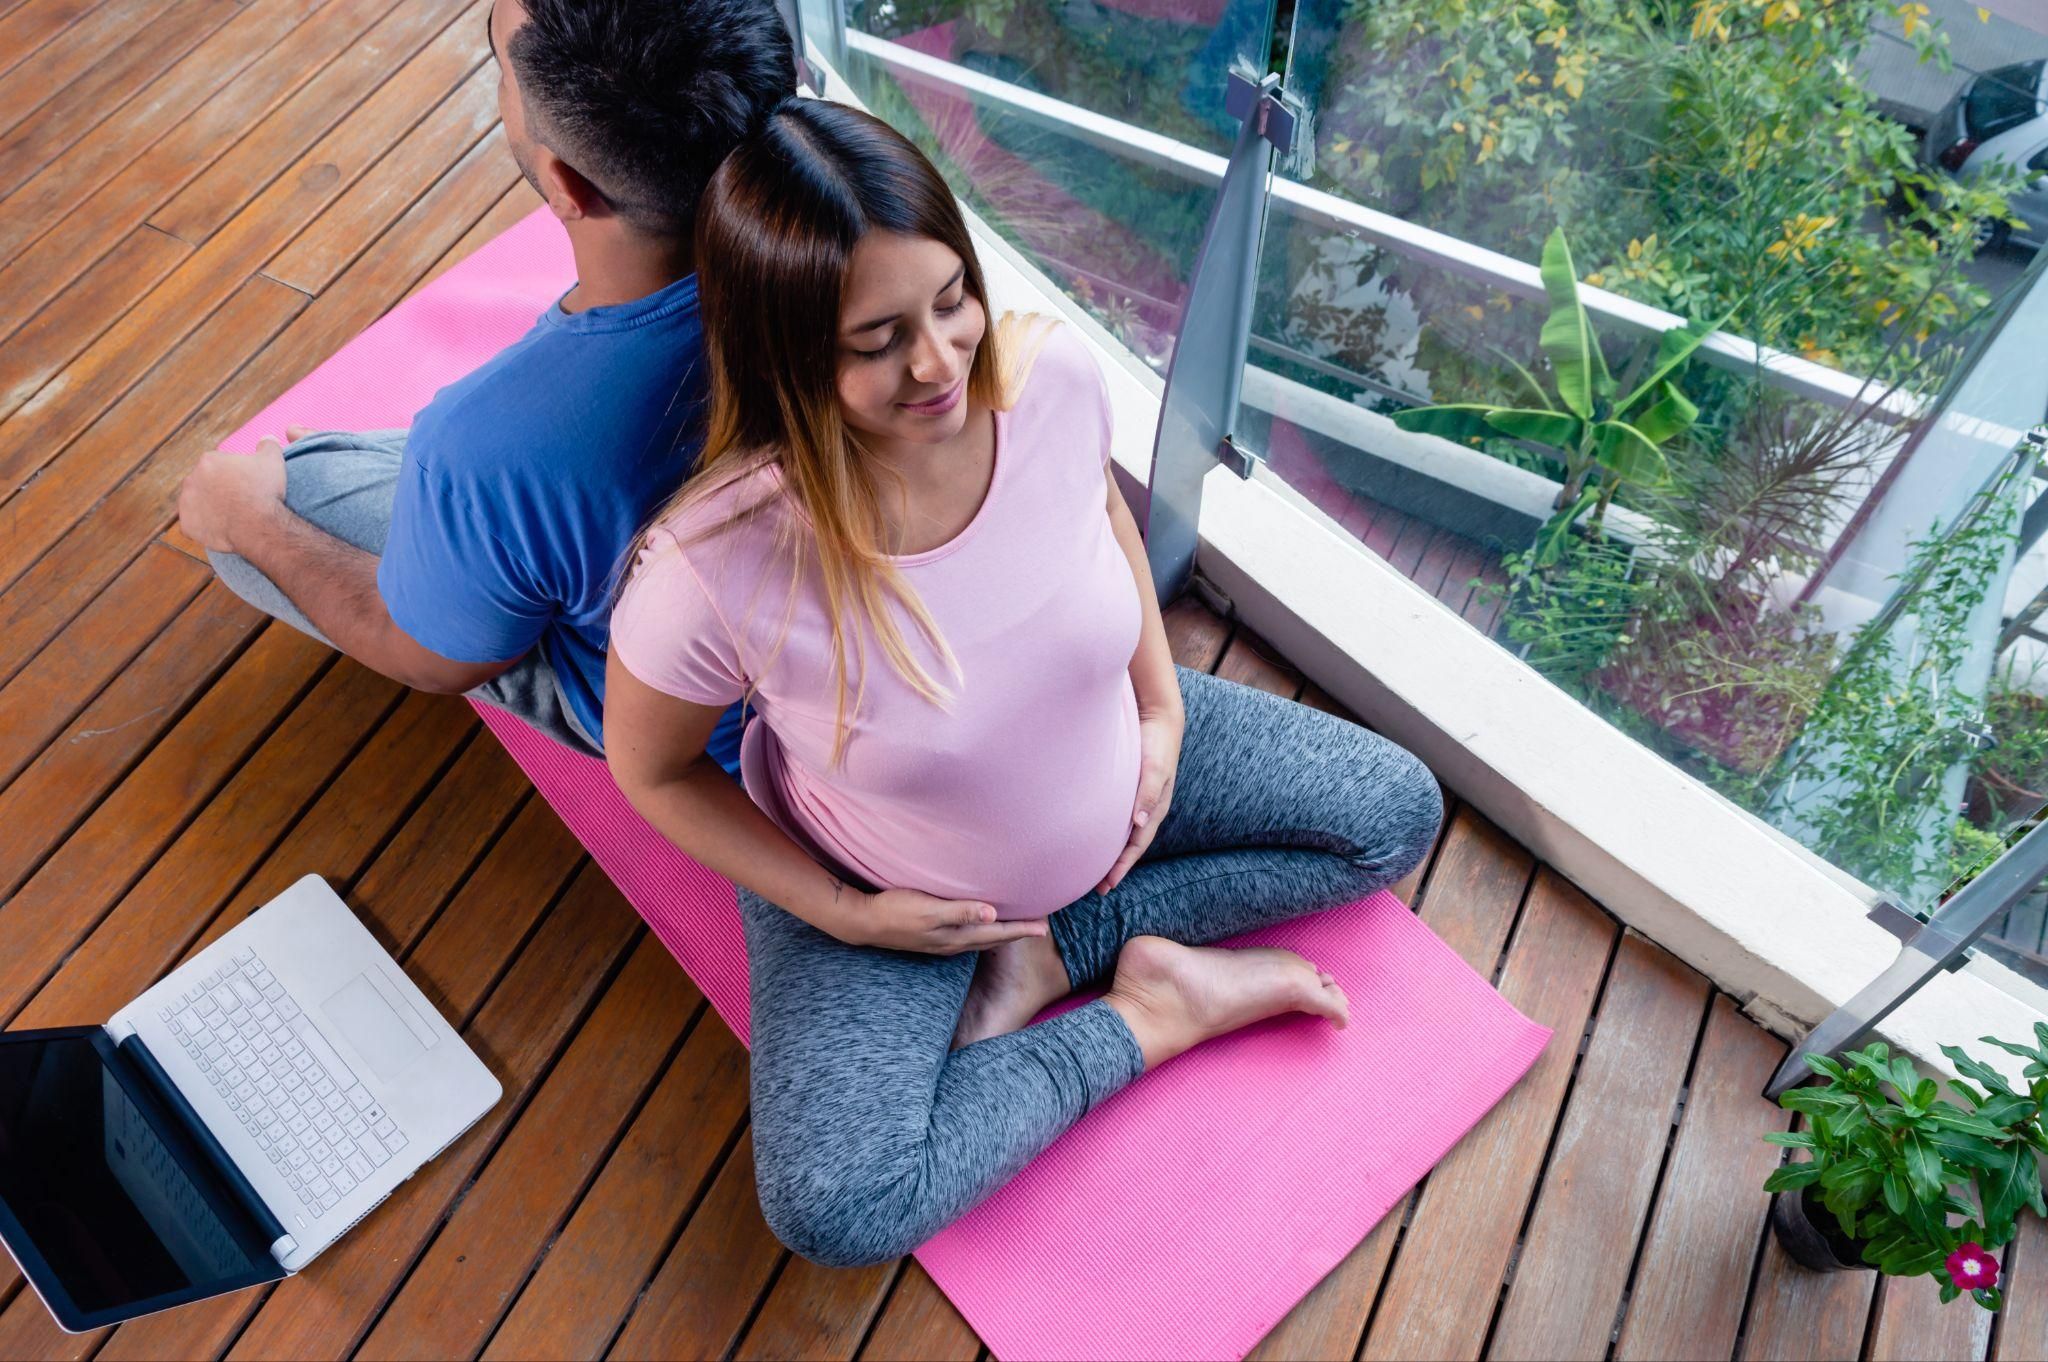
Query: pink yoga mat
x: 1186, y: 1215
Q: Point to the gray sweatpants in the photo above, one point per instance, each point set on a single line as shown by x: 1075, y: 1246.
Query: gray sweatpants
x: 870, y: 1135
x: 344, y: 482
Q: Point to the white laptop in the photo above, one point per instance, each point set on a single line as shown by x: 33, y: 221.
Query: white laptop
x: 230, y: 1123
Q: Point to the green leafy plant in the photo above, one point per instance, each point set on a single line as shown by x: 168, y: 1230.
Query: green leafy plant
x: 1867, y: 778
x: 1585, y: 422
x: 1705, y: 154
x: 1568, y: 614
x: 1895, y: 1163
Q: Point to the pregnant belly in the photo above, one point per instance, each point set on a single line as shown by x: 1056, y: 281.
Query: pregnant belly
x: 1030, y: 852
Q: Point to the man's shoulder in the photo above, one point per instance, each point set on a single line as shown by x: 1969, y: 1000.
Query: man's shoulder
x: 560, y: 395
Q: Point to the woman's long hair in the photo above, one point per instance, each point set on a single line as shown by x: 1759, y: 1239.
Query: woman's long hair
x: 775, y: 233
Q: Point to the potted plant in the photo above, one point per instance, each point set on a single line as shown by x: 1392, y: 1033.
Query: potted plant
x: 1891, y: 1165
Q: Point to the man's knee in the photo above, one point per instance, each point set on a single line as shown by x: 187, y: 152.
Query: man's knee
x: 345, y: 485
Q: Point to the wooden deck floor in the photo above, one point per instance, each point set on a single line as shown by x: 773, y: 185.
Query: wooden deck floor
x: 198, y: 201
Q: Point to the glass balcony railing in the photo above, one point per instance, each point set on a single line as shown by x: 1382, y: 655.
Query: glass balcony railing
x: 1811, y: 571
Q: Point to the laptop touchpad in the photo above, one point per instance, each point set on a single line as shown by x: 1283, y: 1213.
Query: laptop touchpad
x: 359, y: 1012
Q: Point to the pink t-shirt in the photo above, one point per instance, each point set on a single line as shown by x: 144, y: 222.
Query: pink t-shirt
x: 1022, y: 793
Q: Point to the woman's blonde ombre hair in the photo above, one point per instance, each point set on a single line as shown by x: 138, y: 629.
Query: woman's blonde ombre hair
x: 775, y: 233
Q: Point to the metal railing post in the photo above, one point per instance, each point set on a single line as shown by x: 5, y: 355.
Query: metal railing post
x: 1934, y: 946
x: 832, y: 44
x: 1198, y: 411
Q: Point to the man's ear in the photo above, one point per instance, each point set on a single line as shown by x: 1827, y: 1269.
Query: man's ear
x: 568, y: 193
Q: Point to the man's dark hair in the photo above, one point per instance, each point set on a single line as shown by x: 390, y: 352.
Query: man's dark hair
x: 645, y: 97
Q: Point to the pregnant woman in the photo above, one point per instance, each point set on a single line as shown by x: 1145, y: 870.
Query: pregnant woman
x: 976, y: 780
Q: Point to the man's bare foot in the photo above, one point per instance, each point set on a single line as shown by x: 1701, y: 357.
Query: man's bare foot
x: 1012, y: 983
x: 1175, y: 997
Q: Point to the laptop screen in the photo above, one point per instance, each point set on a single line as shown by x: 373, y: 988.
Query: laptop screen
x: 99, y: 1185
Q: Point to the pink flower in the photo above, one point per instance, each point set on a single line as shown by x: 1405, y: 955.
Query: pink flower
x: 1971, y: 1268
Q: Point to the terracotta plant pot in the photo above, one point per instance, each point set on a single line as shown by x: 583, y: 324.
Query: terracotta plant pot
x: 1810, y: 1234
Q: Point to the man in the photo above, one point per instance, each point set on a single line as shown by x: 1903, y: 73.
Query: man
x: 478, y: 554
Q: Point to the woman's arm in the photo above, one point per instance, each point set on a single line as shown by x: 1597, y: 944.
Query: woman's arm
x: 1152, y: 673
x: 654, y: 744
x: 1162, y: 718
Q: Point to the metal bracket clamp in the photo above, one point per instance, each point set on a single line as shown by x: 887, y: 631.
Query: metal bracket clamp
x: 1240, y: 458
x: 1276, y: 120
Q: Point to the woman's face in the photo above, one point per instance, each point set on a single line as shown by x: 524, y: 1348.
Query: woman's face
x: 908, y: 329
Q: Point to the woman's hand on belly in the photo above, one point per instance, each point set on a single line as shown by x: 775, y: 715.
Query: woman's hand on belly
x: 912, y: 920
x: 1159, y: 738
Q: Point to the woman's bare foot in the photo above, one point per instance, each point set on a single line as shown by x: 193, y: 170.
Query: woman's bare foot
x: 1013, y: 982
x: 1175, y: 997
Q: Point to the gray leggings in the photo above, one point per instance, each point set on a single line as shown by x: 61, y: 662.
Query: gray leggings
x: 870, y: 1136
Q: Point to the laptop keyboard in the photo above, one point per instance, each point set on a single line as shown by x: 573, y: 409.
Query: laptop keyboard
x: 294, y: 1094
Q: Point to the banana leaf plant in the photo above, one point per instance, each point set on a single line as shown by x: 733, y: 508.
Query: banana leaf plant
x: 1622, y: 438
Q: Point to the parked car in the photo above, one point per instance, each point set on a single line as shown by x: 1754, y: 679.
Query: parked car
x: 2000, y: 115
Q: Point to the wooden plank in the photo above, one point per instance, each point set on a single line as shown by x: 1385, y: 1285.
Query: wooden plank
x: 228, y: 838
x: 516, y: 879
x: 320, y: 253
x: 700, y: 1300
x: 79, y: 205
x: 61, y: 185
x: 918, y: 1324
x: 94, y: 302
x: 25, y: 28
x: 325, y: 104
x: 36, y: 607
x: 27, y: 1333
x: 78, y: 107
x: 816, y: 1312
x: 620, y: 1231
x: 2022, y: 1332
x: 1355, y: 512
x: 39, y: 514
x: 65, y: 58
x: 45, y: 424
x: 1563, y: 1300
x: 518, y: 202
x: 42, y: 805
x: 1386, y: 529
x: 1435, y: 564
x: 1470, y: 899
x: 1795, y: 1314
x: 324, y: 1310
x: 444, y: 841
x: 508, y: 892
x: 1405, y: 554
x: 1460, y: 573
x: 63, y: 900
x: 1483, y: 608
x: 1327, y: 1323
x: 197, y: 891
x: 65, y: 678
x: 460, y: 1288
x: 144, y: 935
x: 1911, y: 1324
x: 1695, y: 1269
x: 1251, y: 661
x: 1471, y: 1208
x: 1194, y: 634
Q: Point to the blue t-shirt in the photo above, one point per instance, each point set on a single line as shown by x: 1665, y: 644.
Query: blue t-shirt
x: 525, y: 482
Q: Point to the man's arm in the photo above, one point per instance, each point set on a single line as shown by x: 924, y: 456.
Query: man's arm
x: 234, y: 503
